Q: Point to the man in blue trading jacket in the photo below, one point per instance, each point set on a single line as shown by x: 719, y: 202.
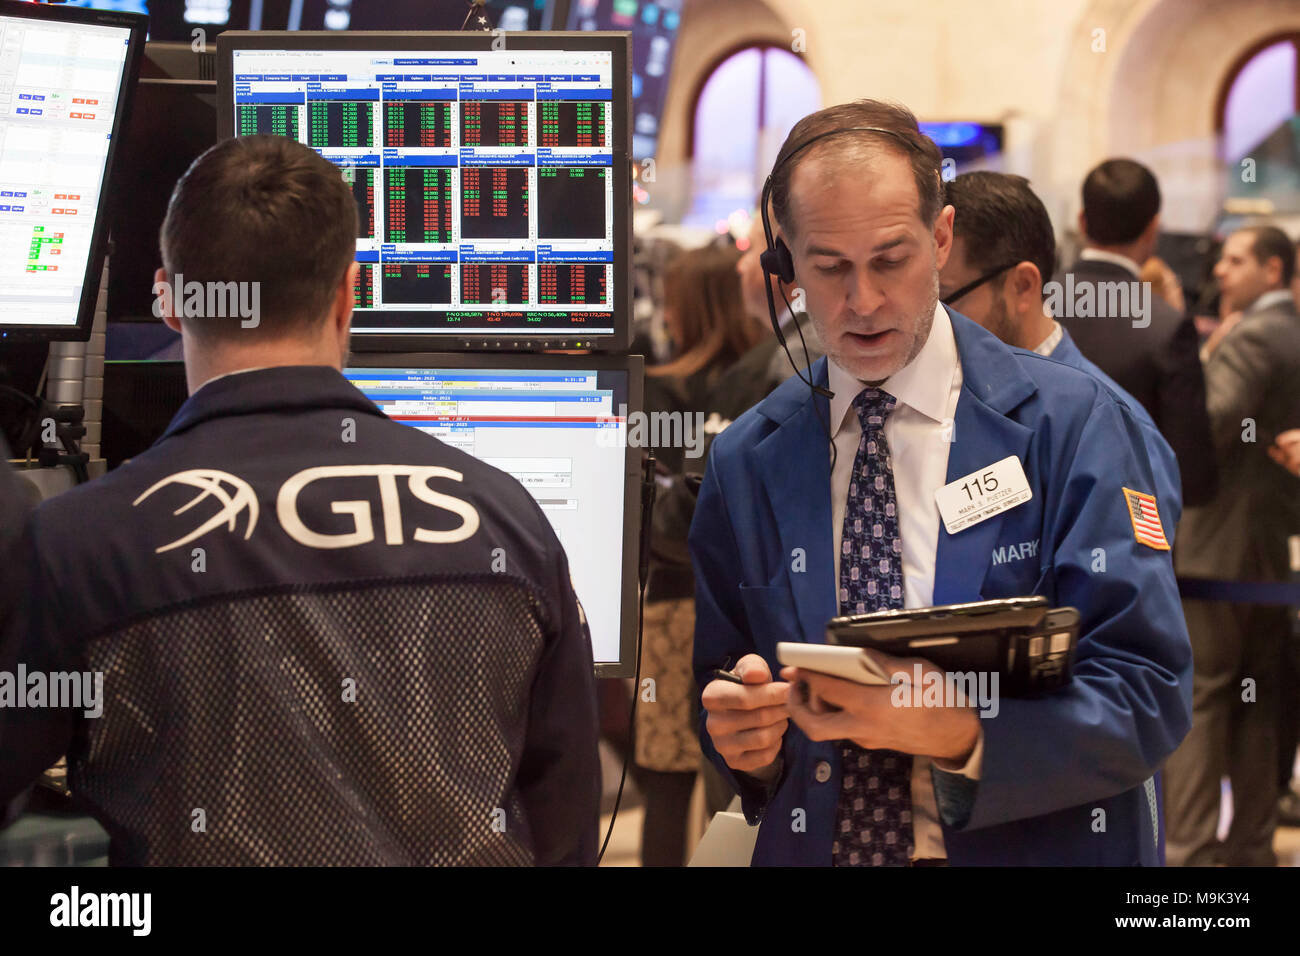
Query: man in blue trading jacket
x: 788, y: 533
x: 307, y: 647
x: 1003, y: 250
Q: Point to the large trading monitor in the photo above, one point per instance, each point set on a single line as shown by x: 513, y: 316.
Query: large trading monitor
x: 66, y: 77
x: 491, y: 173
x: 558, y: 424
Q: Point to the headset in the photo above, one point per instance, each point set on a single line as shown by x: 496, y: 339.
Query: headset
x: 778, y: 262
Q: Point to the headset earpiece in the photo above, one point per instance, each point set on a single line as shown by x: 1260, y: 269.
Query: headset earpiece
x: 778, y: 262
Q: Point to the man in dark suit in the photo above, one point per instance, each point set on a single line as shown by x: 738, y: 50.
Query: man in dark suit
x: 1145, y: 345
x: 1252, y: 378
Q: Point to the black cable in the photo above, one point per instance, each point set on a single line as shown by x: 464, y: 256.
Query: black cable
x: 648, y: 489
x: 835, y: 452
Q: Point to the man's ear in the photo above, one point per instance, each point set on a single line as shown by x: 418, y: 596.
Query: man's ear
x: 343, y: 300
x: 1273, y: 272
x: 164, y: 306
x: 1026, y: 286
x: 943, y: 236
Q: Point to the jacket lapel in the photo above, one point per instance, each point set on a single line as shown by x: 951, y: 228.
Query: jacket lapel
x: 992, y: 384
x: 794, y: 462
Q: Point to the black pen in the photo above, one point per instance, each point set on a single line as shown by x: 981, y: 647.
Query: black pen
x: 727, y: 676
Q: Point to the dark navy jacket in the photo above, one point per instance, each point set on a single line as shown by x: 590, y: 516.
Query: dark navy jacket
x: 343, y: 640
x: 1067, y: 779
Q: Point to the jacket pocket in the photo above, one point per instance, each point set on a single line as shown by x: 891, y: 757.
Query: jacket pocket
x: 771, y: 615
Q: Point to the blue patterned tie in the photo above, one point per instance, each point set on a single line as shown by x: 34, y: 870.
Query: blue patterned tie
x: 874, y: 818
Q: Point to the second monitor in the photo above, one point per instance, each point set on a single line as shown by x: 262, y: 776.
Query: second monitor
x: 491, y: 176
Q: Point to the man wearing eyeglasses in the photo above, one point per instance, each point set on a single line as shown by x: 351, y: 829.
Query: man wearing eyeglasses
x: 1003, y: 250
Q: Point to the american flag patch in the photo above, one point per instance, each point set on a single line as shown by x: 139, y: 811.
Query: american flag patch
x: 1146, y: 520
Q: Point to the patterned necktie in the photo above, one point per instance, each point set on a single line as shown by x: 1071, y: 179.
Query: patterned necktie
x: 874, y: 818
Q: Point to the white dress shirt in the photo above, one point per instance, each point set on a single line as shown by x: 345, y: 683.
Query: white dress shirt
x: 1049, y: 344
x: 918, y: 432
x: 1114, y: 258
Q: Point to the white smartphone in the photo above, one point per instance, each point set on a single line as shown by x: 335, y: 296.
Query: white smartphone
x: 837, y: 660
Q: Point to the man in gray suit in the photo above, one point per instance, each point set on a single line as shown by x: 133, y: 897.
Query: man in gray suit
x: 1252, y: 378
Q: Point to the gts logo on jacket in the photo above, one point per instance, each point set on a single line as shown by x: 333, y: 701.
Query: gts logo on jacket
x: 241, y: 498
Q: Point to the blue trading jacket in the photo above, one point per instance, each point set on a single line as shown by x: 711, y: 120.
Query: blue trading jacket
x: 1068, y: 779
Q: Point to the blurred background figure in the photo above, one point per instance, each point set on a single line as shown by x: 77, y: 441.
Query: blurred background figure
x: 1002, y: 248
x: 1164, y: 283
x: 706, y: 322
x: 1153, y: 357
x: 1252, y: 377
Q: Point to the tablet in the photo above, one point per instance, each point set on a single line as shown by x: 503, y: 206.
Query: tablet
x: 1030, y: 644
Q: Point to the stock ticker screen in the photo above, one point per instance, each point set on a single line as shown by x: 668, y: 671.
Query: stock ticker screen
x: 483, y: 180
x: 560, y: 431
x: 59, y: 88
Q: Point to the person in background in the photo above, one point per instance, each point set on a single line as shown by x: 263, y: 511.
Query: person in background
x: 706, y: 321
x: 1152, y: 356
x: 14, y: 508
x: 1252, y: 378
x: 1286, y: 452
x: 1164, y: 283
x: 1003, y: 248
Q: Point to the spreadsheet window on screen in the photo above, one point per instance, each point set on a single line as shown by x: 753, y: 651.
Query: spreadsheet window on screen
x: 558, y: 433
x: 59, y: 87
x: 483, y: 180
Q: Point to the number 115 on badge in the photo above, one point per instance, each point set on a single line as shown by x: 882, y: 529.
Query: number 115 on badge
x: 983, y: 494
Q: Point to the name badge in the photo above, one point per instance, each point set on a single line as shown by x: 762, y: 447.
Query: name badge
x: 982, y: 494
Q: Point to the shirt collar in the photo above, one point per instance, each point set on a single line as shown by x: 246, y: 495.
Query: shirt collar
x: 1049, y: 344
x: 1124, y: 262
x: 924, y: 384
x: 238, y: 371
x: 281, y: 388
x: 1270, y: 299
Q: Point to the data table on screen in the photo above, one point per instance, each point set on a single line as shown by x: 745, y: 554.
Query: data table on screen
x: 484, y: 180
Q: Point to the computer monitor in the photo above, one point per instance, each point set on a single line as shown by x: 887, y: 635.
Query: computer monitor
x: 653, y: 24
x: 180, y: 116
x: 558, y: 424
x: 66, y: 79
x: 492, y: 176
x: 420, y: 15
x: 178, y: 19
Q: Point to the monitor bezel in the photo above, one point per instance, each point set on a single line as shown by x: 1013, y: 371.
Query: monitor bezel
x: 138, y: 25
x: 617, y: 43
x: 634, y: 366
